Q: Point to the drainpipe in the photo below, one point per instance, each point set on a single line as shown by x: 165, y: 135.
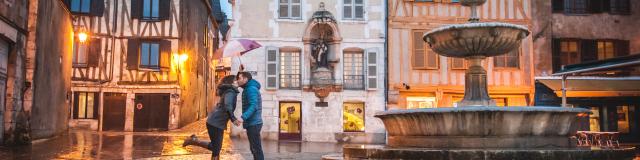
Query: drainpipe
x: 386, y: 62
x: 564, y: 90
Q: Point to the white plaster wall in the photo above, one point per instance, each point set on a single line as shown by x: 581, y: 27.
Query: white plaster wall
x: 258, y: 20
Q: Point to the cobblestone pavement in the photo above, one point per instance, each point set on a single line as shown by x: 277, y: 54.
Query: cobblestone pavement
x: 157, y: 145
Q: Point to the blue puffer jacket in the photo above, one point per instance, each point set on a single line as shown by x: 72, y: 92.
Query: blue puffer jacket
x: 251, y: 104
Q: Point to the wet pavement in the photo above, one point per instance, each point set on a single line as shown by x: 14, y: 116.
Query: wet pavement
x: 157, y: 145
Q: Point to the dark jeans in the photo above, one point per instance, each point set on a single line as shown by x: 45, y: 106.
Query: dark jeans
x: 215, y: 134
x: 253, y: 133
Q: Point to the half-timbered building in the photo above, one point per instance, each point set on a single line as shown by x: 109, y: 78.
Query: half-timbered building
x: 420, y: 78
x: 144, y: 64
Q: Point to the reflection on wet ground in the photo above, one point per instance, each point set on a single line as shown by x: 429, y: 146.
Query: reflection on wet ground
x: 126, y: 145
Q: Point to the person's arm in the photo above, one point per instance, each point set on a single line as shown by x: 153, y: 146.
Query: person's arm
x: 229, y: 97
x: 252, y: 93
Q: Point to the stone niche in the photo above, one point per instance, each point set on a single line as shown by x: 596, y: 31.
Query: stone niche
x: 322, y: 46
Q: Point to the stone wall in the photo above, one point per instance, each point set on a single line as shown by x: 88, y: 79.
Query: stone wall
x: 548, y: 25
x: 13, y: 29
x: 49, y: 70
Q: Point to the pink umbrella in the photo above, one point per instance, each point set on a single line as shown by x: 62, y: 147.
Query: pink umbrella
x: 236, y: 48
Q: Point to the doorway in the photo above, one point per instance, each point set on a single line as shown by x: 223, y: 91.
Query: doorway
x: 290, y: 121
x: 114, y: 111
x: 151, y: 112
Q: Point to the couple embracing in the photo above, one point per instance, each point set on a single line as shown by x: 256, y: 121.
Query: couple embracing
x: 251, y: 118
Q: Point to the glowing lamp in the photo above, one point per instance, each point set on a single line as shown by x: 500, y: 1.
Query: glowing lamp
x: 82, y: 37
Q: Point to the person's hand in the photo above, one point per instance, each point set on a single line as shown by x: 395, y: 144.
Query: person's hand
x: 238, y: 122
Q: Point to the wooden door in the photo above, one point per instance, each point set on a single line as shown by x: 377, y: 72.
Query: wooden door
x: 114, y: 111
x: 290, y: 121
x: 151, y: 112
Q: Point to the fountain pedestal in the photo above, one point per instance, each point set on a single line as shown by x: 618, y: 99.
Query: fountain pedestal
x: 475, y: 92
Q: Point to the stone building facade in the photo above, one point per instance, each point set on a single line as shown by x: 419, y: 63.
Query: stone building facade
x: 581, y: 32
x: 144, y: 65
x: 321, y: 67
x: 35, y: 49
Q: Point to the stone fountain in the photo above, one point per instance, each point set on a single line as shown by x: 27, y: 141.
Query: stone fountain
x: 477, y: 129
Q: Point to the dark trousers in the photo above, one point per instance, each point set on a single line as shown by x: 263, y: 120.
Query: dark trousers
x: 253, y: 133
x: 215, y: 134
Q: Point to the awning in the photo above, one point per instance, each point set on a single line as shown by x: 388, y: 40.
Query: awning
x: 588, y: 86
x: 602, y: 65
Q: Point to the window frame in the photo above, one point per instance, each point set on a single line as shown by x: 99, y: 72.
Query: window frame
x: 150, y: 67
x: 364, y: 121
x: 150, y: 17
x: 95, y: 107
x: 613, y: 49
x: 79, y: 11
x: 290, y: 5
x: 578, y: 51
x: 505, y: 59
x: 353, y: 6
x: 281, y: 67
x: 427, y: 50
x: 354, y: 66
x: 74, y: 59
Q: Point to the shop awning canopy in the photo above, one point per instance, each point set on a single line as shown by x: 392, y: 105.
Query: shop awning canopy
x: 602, y: 65
x: 579, y: 85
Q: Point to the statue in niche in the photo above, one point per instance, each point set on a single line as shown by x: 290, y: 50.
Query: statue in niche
x: 320, y: 53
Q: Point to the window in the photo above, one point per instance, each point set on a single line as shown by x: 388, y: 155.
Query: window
x: 150, y: 9
x: 623, y: 119
x: 458, y: 63
x: 594, y: 119
x: 150, y: 55
x: 85, y: 106
x: 421, y: 102
x: 80, y: 54
x: 569, y: 52
x: 605, y: 50
x: 353, y: 9
x: 509, y: 60
x: 80, y: 6
x: 423, y: 57
x: 290, y: 69
x: 353, y: 117
x: 353, y: 70
x: 290, y: 9
x: 620, y: 7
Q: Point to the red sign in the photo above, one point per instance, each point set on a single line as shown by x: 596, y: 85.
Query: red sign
x: 139, y: 106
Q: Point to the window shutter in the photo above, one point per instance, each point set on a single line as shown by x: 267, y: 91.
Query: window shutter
x: 596, y: 6
x: 588, y: 50
x: 97, y: 7
x: 75, y: 105
x: 419, y: 52
x: 96, y: 104
x: 165, y: 55
x: 558, y: 6
x: 136, y: 8
x: 67, y: 3
x: 164, y: 9
x: 372, y: 68
x: 133, y: 46
x: 95, y: 49
x: 622, y: 48
x: 272, y: 67
x: 555, y: 54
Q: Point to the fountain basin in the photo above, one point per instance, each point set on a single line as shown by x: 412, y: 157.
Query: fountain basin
x: 476, y: 39
x: 482, y: 127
